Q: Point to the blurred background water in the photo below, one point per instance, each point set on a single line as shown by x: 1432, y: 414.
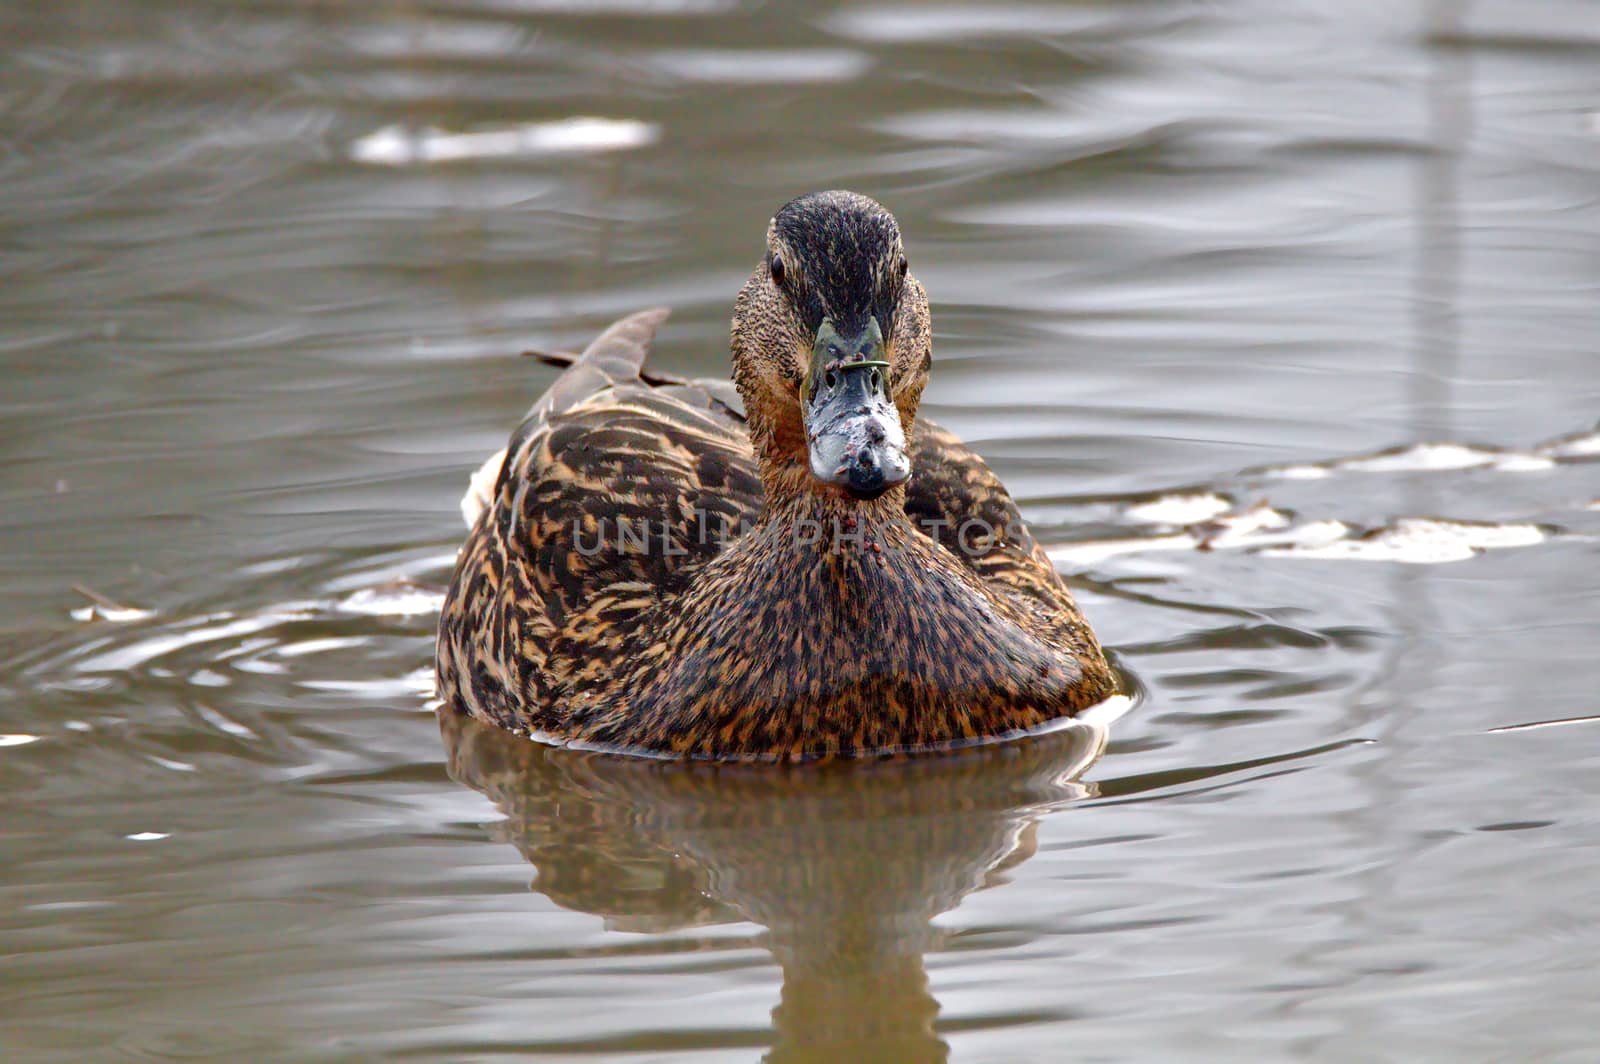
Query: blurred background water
x: 1278, y: 318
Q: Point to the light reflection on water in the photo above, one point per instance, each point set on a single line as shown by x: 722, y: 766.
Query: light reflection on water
x: 1249, y: 304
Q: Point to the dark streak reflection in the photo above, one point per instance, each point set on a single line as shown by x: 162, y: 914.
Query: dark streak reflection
x: 1435, y: 303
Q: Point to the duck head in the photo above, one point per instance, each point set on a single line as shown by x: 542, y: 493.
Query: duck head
x: 831, y: 350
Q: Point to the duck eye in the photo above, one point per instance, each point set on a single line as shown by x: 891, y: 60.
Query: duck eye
x: 904, y: 266
x: 777, y: 270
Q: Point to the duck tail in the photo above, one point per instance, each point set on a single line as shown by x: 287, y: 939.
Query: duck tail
x: 621, y: 351
x: 616, y: 356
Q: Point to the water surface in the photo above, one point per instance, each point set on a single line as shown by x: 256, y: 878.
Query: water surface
x: 1279, y: 320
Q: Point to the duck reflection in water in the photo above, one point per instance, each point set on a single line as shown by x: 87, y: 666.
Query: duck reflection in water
x: 846, y: 865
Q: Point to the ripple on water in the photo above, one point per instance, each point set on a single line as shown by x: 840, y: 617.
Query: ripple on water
x: 1178, y: 509
x: 114, y: 614
x: 1419, y: 458
x: 400, y: 599
x: 664, y: 8
x: 764, y: 67
x: 913, y: 24
x: 1421, y: 541
x: 1577, y: 445
x: 1535, y: 725
x: 1210, y: 520
x: 1274, y: 533
x: 403, y: 146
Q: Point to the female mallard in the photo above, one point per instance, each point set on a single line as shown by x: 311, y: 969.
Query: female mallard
x: 659, y: 569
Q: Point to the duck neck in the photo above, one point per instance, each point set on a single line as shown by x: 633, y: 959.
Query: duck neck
x: 804, y: 510
x: 789, y: 492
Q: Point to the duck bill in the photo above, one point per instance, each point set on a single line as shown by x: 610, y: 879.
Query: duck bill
x: 852, y: 425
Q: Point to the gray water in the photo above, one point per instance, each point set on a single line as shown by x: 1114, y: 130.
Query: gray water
x: 1279, y: 320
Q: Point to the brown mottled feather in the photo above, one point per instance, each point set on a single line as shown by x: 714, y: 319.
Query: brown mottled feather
x: 641, y: 580
x: 952, y: 487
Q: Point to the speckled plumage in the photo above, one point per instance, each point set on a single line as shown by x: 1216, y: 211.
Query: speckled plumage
x: 606, y: 595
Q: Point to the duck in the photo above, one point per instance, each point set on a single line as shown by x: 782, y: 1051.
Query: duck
x: 794, y: 567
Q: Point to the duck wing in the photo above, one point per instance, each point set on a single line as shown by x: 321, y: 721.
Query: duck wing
x: 957, y: 500
x: 610, y: 489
